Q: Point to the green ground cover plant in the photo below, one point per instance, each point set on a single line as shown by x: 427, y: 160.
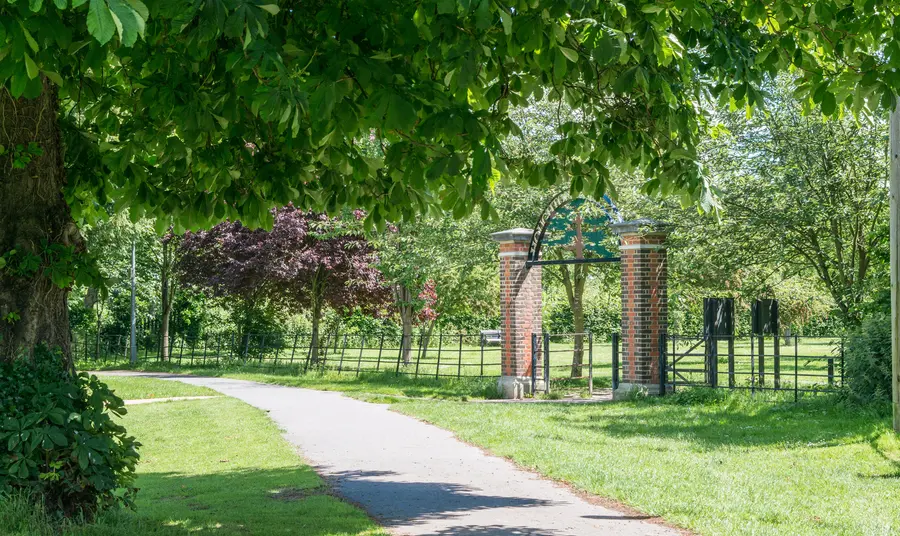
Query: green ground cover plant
x: 60, y: 438
x: 709, y: 461
x: 214, y: 466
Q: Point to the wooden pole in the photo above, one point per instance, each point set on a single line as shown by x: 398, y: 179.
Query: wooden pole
x: 895, y: 262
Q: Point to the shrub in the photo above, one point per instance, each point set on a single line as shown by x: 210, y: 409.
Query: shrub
x: 58, y: 439
x: 867, y: 360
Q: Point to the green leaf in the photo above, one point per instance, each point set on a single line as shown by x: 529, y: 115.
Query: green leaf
x: 100, y: 21
x: 506, y: 19
x: 61, y: 4
x: 483, y: 15
x: 35, y: 5
x: 570, y: 54
x: 829, y: 104
x: 17, y: 85
x: 128, y: 22
x: 54, y: 77
x: 271, y: 8
x: 401, y: 115
x: 481, y: 162
x: 140, y: 9
x: 28, y: 38
x: 30, y: 67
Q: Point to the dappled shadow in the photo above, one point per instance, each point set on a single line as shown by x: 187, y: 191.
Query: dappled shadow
x: 397, y: 502
x: 809, y: 424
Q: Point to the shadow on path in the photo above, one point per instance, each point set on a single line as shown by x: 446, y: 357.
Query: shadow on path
x: 397, y: 502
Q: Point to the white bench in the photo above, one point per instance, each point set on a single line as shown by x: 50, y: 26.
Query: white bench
x: 490, y: 336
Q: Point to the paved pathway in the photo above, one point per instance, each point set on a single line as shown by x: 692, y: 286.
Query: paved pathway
x: 415, y: 478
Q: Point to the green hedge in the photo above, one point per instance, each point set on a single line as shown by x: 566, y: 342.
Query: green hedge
x: 59, y: 441
x: 867, y: 360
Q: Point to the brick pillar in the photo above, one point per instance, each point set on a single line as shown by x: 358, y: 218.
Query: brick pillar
x: 520, y: 313
x: 644, y: 304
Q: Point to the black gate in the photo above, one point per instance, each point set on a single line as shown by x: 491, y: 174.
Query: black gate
x: 572, y: 362
x: 756, y: 363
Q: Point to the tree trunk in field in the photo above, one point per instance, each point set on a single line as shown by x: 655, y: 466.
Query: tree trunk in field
x: 403, y: 298
x: 317, y: 297
x: 578, y: 324
x: 574, y: 284
x: 33, y: 310
x: 314, y: 341
x: 167, y: 297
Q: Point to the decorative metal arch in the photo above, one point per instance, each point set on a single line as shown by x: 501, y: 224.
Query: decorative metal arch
x: 561, y: 200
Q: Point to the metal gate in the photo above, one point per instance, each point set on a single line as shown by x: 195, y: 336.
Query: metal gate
x: 572, y: 362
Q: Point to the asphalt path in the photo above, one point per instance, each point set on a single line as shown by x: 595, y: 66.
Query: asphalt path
x: 415, y: 478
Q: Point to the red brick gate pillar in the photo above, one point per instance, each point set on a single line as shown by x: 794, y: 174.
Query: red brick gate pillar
x: 644, y: 304
x: 520, y: 313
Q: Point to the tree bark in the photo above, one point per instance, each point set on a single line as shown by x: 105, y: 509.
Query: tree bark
x: 167, y: 296
x: 33, y: 212
x: 316, y: 297
x: 574, y: 282
x: 403, y: 297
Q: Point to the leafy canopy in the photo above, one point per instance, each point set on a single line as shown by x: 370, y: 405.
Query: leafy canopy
x: 200, y: 110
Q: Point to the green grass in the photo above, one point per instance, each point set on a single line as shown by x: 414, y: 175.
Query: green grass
x: 145, y: 388
x: 384, y: 383
x: 714, y: 464
x: 217, y: 467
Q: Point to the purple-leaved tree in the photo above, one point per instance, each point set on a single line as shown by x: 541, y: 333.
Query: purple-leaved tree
x: 308, y: 260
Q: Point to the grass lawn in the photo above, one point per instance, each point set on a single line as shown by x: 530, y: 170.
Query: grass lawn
x: 218, y: 467
x: 730, y: 466
x: 385, y: 383
x: 145, y: 388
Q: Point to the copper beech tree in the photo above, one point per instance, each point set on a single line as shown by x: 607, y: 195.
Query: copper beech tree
x: 307, y: 262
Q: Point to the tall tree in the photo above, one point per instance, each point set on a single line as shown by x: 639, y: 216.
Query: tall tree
x: 805, y: 194
x: 168, y: 269
x: 201, y: 111
x: 307, y: 260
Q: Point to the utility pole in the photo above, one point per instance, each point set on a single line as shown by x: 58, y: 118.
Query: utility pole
x: 133, y: 316
x: 895, y: 262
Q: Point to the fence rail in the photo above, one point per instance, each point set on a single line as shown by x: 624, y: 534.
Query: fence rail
x: 438, y: 355
x: 760, y: 363
x: 572, y: 360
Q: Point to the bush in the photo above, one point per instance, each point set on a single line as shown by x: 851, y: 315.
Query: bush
x: 867, y: 360
x: 58, y: 439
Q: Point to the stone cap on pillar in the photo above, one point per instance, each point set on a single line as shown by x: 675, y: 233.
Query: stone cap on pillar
x: 641, y: 226
x: 519, y: 234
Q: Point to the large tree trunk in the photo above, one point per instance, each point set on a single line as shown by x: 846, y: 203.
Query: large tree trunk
x: 33, y: 310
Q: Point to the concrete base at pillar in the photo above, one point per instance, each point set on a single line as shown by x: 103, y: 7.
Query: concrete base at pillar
x: 514, y: 387
x: 628, y: 390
